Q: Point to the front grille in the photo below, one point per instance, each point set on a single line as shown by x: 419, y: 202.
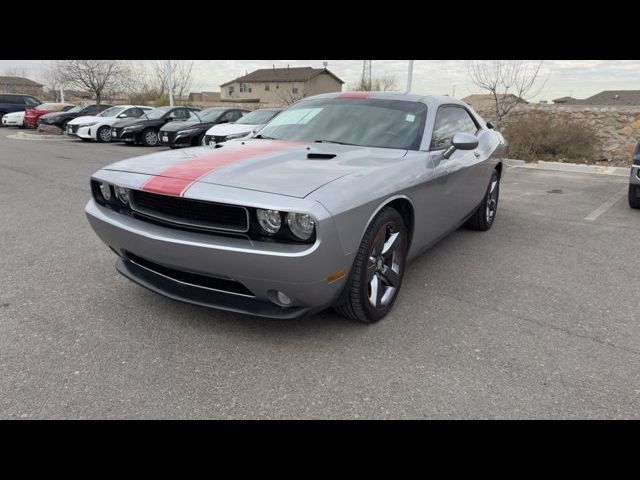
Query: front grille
x: 170, y: 137
x: 225, y: 285
x: 74, y: 128
x: 191, y: 213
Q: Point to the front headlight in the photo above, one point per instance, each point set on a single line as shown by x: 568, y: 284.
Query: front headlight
x: 269, y: 220
x: 301, y: 225
x: 87, y: 125
x: 236, y: 135
x: 105, y: 190
x: 132, y: 128
x: 122, y: 194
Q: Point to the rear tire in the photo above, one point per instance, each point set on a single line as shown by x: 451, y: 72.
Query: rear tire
x: 484, y: 216
x: 377, y: 272
x: 634, y: 200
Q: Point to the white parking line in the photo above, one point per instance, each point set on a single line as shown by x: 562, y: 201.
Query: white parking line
x: 606, y: 205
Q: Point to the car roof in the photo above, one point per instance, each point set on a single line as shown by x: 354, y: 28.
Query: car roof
x: 408, y: 97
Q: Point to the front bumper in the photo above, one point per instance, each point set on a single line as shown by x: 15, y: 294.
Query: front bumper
x: 11, y: 122
x: 300, y: 271
x: 171, y: 138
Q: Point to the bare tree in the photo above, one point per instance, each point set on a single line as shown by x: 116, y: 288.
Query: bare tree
x: 382, y: 83
x: 149, y: 81
x: 507, y: 81
x: 95, y: 76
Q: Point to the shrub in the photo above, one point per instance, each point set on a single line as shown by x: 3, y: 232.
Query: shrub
x: 540, y: 137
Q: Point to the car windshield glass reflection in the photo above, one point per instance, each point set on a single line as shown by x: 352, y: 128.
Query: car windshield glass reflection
x: 258, y: 117
x: 111, y: 112
x: 208, y: 115
x: 363, y: 122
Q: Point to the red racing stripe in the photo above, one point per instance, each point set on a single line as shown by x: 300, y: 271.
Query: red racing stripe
x: 355, y: 95
x: 176, y: 179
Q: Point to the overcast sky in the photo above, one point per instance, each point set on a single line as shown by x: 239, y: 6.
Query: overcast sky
x: 578, y: 78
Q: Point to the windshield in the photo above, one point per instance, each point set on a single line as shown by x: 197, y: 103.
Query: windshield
x: 258, y: 117
x: 51, y: 106
x: 209, y: 115
x: 364, y: 122
x: 155, y: 114
x: 111, y: 112
x: 74, y: 109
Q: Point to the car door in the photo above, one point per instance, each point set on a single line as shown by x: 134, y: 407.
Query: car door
x: 456, y: 178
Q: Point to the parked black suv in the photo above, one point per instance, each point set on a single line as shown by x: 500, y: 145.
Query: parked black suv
x: 16, y: 102
x: 60, y: 119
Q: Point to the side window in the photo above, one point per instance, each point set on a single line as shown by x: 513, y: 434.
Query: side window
x: 235, y: 115
x: 30, y: 101
x: 450, y: 120
x: 4, y: 99
x: 226, y: 117
x: 178, y: 114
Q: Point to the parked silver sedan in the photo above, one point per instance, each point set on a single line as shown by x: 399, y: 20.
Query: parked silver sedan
x: 323, y: 207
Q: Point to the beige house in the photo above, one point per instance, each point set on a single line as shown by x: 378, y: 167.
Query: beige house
x: 486, y: 101
x: 280, y: 85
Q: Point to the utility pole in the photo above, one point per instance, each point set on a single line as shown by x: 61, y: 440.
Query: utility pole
x: 170, y: 81
x: 409, y: 76
x: 61, y: 95
x: 366, y: 75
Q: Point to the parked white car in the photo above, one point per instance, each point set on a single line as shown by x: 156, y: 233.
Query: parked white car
x: 240, y: 128
x: 13, y: 119
x: 98, y: 127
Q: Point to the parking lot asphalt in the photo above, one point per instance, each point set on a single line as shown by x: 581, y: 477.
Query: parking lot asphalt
x: 537, y: 318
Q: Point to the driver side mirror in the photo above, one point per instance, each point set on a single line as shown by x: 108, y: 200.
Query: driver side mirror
x: 461, y: 141
x: 122, y: 115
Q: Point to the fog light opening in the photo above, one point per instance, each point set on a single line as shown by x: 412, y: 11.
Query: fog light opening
x: 280, y: 298
x: 283, y: 299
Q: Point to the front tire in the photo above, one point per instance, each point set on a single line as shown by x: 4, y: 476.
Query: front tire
x: 103, y: 135
x: 150, y: 137
x: 634, y: 199
x: 376, y: 276
x: 485, y: 214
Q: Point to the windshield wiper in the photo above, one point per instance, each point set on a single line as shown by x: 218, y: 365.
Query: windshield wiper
x: 332, y: 141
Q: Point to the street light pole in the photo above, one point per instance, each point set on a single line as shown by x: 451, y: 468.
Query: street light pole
x: 409, y: 76
x: 170, y: 81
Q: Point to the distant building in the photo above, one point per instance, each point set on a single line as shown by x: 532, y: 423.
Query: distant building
x: 485, y: 101
x: 614, y: 97
x: 204, y: 97
x: 280, y: 85
x: 567, y: 101
x: 20, y: 85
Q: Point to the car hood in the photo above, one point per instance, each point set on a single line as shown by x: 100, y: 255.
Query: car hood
x: 85, y: 119
x: 50, y: 115
x: 224, y: 129
x: 287, y: 168
x: 14, y: 114
x: 180, y: 125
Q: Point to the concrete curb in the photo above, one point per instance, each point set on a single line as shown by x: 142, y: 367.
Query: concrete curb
x: 571, y: 167
x: 34, y: 136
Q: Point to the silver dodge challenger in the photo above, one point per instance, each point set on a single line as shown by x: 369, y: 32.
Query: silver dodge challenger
x: 324, y: 206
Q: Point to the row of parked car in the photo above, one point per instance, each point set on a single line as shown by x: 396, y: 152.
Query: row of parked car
x: 177, y: 126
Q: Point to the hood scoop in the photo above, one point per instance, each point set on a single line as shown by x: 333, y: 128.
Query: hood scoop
x: 320, y: 156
